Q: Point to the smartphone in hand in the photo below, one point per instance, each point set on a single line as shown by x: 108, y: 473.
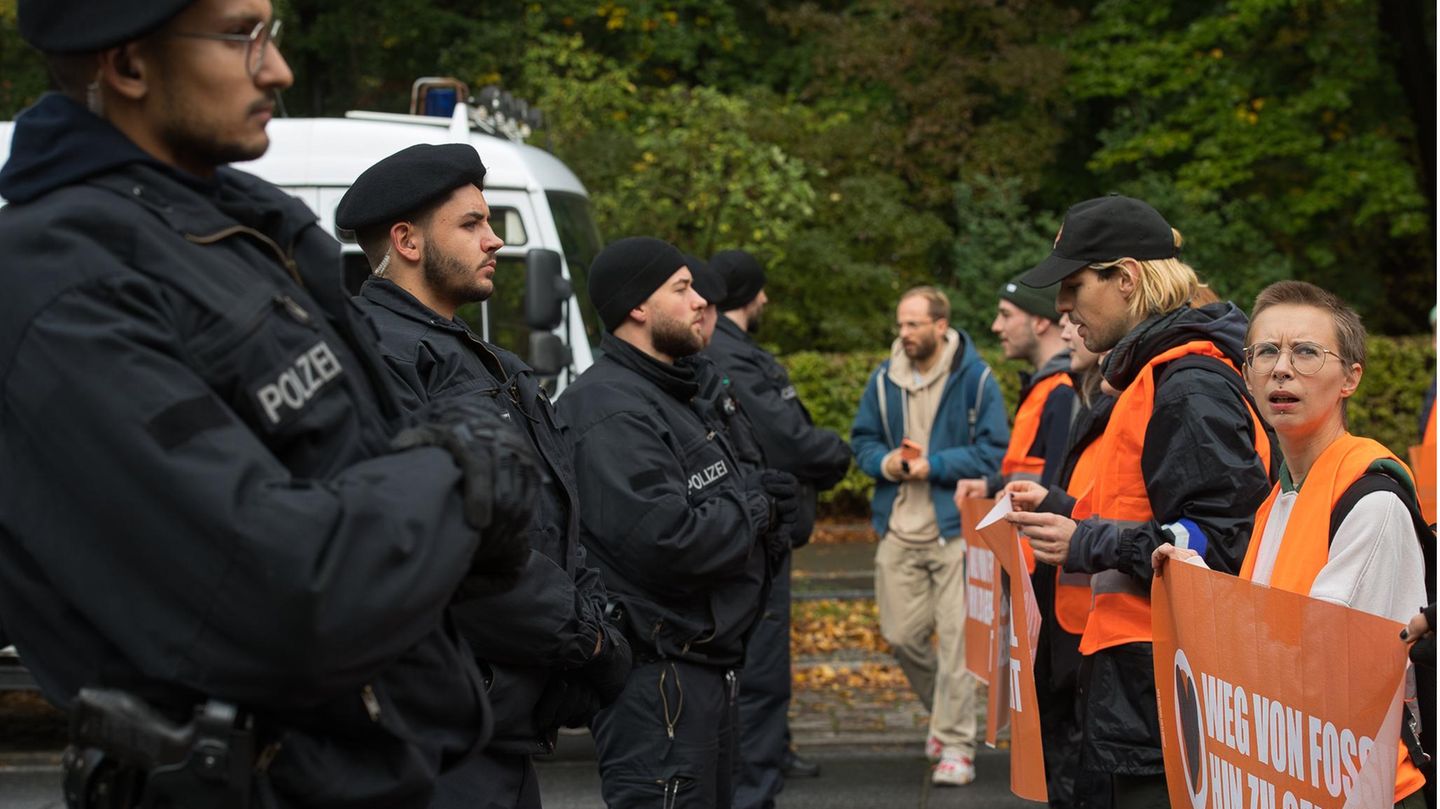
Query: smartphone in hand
x: 909, y: 450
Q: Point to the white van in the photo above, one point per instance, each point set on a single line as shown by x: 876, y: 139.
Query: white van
x: 538, y: 206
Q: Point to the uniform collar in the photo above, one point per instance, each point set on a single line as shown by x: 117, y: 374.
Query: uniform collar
x: 390, y: 295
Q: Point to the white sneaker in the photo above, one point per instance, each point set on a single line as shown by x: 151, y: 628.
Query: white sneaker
x: 954, y: 770
x: 933, y: 749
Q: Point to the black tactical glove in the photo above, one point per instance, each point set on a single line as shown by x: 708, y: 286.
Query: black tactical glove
x: 568, y: 702
x: 501, y: 479
x: 784, y: 492
x: 607, y: 671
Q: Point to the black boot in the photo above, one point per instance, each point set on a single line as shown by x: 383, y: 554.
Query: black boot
x: 797, y: 767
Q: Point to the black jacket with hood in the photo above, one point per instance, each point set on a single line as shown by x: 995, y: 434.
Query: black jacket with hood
x: 668, y: 512
x: 1199, y: 460
x: 1199, y: 464
x: 200, y: 500
x: 787, y: 436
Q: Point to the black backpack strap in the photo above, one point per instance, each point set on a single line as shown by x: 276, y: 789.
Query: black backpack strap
x: 1220, y: 368
x: 1379, y: 480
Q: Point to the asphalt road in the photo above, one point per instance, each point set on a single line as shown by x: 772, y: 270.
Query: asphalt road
x: 850, y: 779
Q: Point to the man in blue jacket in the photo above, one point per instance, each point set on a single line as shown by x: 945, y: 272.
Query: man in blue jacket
x: 931, y: 415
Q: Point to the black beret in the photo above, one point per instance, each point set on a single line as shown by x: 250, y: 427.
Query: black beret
x: 707, y: 282
x: 407, y: 181
x: 743, y: 276
x: 627, y: 272
x: 80, y: 26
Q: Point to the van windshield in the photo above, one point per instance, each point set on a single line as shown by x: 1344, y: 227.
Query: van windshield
x: 580, y: 240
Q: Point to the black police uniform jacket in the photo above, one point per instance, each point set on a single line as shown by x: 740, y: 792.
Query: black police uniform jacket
x: 547, y: 622
x: 666, y: 512
x: 198, y: 497
x: 791, y: 442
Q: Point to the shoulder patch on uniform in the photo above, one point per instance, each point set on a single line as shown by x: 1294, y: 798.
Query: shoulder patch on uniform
x: 288, y: 392
x: 788, y: 392
x: 644, y: 480
x: 182, y: 421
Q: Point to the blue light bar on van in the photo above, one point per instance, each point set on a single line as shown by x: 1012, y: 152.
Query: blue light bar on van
x: 440, y: 102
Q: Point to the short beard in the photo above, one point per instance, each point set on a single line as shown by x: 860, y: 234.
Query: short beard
x: 196, y: 147
x: 450, y: 279
x: 674, y: 338
x: 924, y: 349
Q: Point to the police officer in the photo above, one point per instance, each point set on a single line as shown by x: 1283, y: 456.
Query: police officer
x: 684, y: 536
x: 211, y: 507
x: 819, y: 459
x: 549, y: 656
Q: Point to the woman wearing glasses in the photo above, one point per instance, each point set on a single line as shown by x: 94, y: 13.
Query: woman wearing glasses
x: 1304, y: 359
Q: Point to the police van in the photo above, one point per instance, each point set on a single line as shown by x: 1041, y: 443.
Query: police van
x: 537, y: 204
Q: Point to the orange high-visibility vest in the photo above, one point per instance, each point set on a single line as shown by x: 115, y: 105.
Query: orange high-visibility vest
x: 1422, y: 463
x: 1017, y: 460
x: 1120, y: 607
x: 1305, y: 544
x: 1018, y: 463
x: 1072, y: 590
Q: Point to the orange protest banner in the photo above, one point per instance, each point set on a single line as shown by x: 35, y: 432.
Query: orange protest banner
x: 1273, y: 699
x: 1422, y: 462
x: 1013, y: 677
x: 980, y: 591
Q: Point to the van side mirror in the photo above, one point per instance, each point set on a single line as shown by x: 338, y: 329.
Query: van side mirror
x: 546, y: 290
x: 548, y: 353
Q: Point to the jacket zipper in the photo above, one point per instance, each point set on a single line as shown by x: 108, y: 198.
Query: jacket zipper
x: 236, y: 230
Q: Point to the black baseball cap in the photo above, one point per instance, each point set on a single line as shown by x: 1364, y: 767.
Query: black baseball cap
x: 1100, y: 230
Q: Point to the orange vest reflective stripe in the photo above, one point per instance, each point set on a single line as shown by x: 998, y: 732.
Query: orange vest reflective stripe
x: 1120, y: 610
x: 1017, y: 459
x: 1072, y: 590
x: 1305, y: 545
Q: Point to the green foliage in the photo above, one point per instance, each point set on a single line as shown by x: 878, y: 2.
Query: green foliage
x: 997, y: 237
x: 1281, y: 119
x: 860, y: 147
x: 1398, y: 370
x: 1386, y: 408
x: 22, y: 70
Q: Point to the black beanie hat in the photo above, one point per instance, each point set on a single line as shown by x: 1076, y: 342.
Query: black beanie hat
x: 1038, y: 301
x: 706, y: 281
x: 743, y: 276
x: 625, y: 274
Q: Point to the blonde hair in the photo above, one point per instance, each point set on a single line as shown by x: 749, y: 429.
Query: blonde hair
x: 937, y: 302
x: 1204, y: 296
x: 1162, y: 285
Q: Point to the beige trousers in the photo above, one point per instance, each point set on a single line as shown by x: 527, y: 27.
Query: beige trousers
x: 920, y: 589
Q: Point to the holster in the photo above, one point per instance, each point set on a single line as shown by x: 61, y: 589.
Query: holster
x: 124, y: 754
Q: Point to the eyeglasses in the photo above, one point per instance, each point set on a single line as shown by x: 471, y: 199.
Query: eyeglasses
x: 913, y: 325
x: 1305, y: 358
x: 257, y: 42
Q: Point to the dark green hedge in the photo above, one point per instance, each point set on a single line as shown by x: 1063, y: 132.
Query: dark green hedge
x: 1386, y: 407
